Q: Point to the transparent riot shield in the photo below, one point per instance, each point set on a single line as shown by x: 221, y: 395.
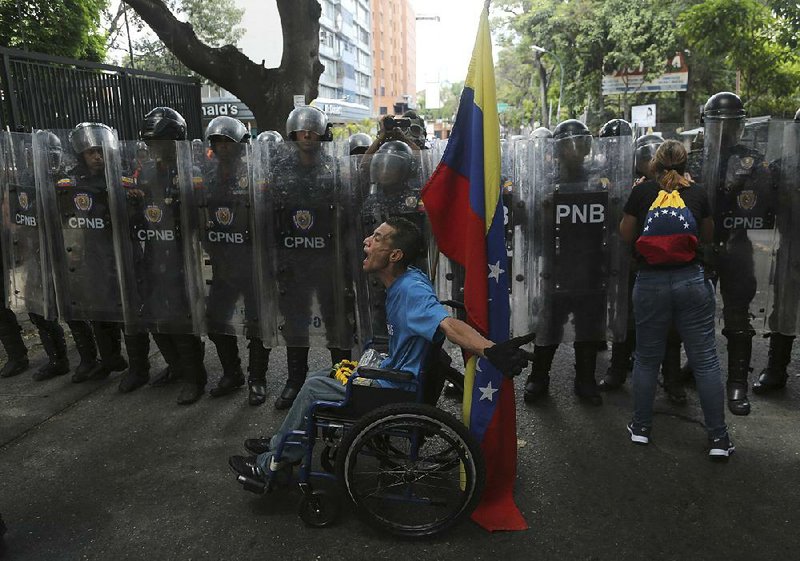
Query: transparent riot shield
x: 387, y: 185
x: 158, y: 256
x: 784, y: 303
x: 29, y: 285
x: 217, y: 189
x: 78, y: 226
x: 575, y: 270
x: 742, y: 186
x: 307, y: 226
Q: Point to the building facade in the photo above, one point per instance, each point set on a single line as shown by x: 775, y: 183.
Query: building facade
x: 394, y: 45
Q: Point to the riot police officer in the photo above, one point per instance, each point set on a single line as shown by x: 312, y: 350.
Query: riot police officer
x: 573, y: 280
x: 161, y: 299
x: 783, y: 319
x: 91, y: 288
x: 303, y: 177
x: 541, y: 132
x: 741, y: 188
x: 269, y: 136
x: 11, y: 338
x: 226, y: 239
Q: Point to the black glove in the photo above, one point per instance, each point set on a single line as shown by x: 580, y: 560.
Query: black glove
x: 508, y: 358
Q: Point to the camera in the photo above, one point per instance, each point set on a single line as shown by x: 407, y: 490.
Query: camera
x: 396, y: 123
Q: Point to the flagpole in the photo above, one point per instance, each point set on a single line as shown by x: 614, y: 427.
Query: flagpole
x: 486, y: 5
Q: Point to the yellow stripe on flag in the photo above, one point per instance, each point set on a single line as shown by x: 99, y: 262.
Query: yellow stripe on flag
x: 480, y: 77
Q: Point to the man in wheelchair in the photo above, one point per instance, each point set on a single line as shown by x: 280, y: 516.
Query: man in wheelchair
x: 415, y: 319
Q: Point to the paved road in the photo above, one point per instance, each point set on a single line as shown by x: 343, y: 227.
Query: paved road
x: 88, y: 473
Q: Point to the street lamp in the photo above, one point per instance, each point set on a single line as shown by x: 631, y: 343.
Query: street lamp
x: 561, y: 68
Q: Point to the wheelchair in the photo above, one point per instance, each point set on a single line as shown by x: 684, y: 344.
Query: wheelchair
x: 409, y: 468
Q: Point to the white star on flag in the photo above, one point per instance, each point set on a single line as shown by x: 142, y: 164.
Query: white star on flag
x: 649, y: 219
x: 488, y: 392
x: 495, y: 271
x: 646, y: 228
x: 685, y: 225
x: 673, y: 213
x: 682, y: 219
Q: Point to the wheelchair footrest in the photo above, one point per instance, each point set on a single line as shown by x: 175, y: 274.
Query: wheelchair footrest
x: 252, y: 485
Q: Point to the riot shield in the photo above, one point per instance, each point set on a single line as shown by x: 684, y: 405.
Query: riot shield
x: 742, y: 187
x: 784, y: 302
x: 158, y: 256
x: 388, y: 186
x: 575, y: 268
x: 217, y: 191
x: 76, y: 208
x: 28, y: 281
x: 306, y: 224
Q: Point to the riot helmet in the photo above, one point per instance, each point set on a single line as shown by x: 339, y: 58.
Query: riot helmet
x: 269, y: 136
x: 392, y: 164
x: 645, y: 150
x: 725, y: 108
x: 615, y: 127
x: 163, y: 123
x: 359, y: 143
x: 91, y: 135
x: 573, y: 142
x: 227, y: 127
x: 724, y: 105
x: 541, y: 132
x: 306, y: 118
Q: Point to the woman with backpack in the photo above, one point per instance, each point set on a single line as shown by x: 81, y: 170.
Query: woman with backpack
x: 668, y: 217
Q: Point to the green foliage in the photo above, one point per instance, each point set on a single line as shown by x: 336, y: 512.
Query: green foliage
x: 343, y: 132
x: 758, y: 38
x: 745, y: 36
x: 69, y: 28
x: 215, y: 23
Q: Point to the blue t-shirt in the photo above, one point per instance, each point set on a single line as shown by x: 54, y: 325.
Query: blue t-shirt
x: 413, y: 314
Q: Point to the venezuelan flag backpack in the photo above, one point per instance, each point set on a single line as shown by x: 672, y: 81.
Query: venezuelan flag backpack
x: 670, y: 231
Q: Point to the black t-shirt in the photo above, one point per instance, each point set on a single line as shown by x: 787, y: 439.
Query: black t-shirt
x: 642, y: 197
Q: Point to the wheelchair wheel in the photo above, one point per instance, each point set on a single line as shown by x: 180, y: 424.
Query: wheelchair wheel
x: 411, y: 469
x: 319, y: 509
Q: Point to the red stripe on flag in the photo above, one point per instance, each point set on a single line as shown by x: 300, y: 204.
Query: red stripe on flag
x: 461, y: 235
x: 497, y: 509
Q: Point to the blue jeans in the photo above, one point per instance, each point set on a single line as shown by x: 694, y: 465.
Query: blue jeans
x: 682, y: 296
x: 318, y: 387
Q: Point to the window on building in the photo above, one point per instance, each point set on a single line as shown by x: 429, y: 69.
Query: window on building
x: 382, y: 110
x: 383, y: 90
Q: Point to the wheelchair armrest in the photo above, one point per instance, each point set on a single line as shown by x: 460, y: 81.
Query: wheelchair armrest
x: 374, y: 373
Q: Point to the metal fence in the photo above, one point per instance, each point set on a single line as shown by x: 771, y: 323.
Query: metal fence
x: 48, y: 92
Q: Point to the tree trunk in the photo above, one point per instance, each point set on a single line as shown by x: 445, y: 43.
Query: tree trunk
x: 268, y: 92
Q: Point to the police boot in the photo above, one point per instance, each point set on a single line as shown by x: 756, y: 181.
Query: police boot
x: 87, y: 350
x: 138, y: 348
x: 297, y: 362
x: 193, y: 372
x: 257, y: 365
x: 740, y: 348
x: 671, y: 372
x: 52, y: 336
x: 617, y: 371
x: 232, y: 376
x: 172, y: 371
x: 538, y: 381
x: 774, y: 376
x: 109, y: 344
x: 585, y: 364
x: 11, y: 337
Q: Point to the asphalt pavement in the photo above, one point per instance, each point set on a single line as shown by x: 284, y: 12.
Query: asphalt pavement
x: 89, y: 473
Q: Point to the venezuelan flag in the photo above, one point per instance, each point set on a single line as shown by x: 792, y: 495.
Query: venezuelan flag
x: 669, y: 233
x: 462, y: 199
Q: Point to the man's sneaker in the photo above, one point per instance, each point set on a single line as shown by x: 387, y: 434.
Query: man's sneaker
x: 639, y: 435
x: 257, y: 445
x: 721, y: 448
x: 246, y: 466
